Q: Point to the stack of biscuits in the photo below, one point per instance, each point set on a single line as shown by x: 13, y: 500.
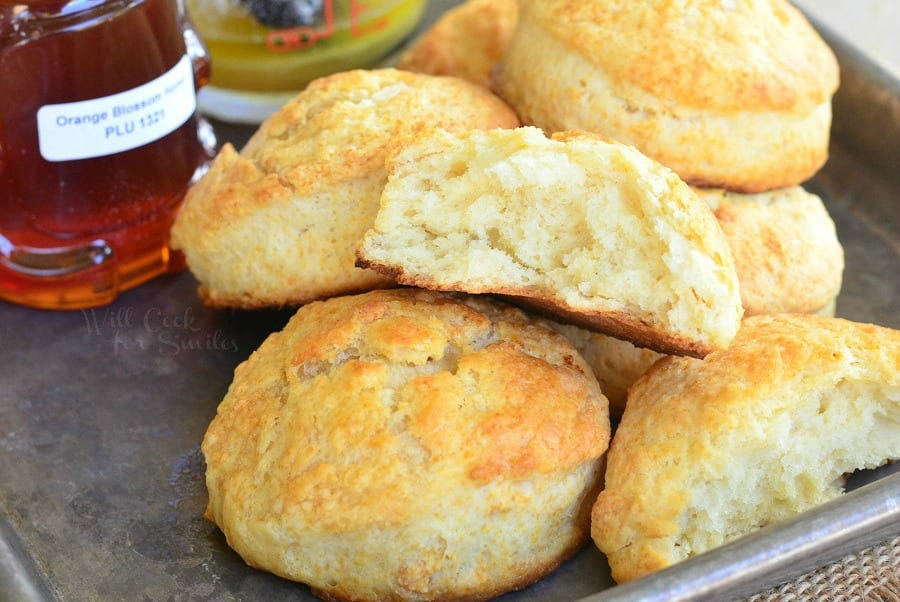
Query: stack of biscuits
x: 557, y: 279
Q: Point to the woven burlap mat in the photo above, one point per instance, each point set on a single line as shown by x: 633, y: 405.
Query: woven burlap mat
x: 872, y: 575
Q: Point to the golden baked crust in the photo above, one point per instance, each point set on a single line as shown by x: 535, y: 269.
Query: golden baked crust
x: 408, y: 444
x: 583, y: 229
x: 729, y: 94
x: 467, y: 41
x: 278, y: 223
x: 752, y: 55
x: 711, y: 450
x: 785, y: 247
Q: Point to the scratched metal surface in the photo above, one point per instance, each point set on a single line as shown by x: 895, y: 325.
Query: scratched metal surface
x: 102, y: 411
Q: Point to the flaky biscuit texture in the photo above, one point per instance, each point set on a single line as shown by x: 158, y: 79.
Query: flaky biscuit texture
x: 788, y: 260
x: 408, y: 445
x: 708, y: 451
x: 728, y: 94
x: 278, y: 223
x: 585, y: 229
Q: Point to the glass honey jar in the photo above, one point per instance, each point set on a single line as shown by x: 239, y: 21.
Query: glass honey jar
x: 99, y: 140
x: 265, y: 51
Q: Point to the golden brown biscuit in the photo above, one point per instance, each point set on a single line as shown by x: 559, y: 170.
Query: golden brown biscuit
x: 467, y: 41
x: 785, y: 247
x: 711, y: 450
x: 278, y: 224
x: 408, y: 445
x: 586, y: 230
x: 728, y: 94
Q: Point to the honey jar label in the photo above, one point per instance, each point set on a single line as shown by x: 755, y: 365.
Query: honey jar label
x: 119, y: 122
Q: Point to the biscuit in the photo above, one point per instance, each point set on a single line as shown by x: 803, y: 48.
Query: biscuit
x: 787, y: 257
x: 466, y: 42
x: 408, y: 445
x: 708, y: 451
x: 278, y: 223
x: 829, y: 310
x: 788, y: 260
x: 588, y: 231
x: 727, y: 94
x: 786, y: 250
x: 616, y: 364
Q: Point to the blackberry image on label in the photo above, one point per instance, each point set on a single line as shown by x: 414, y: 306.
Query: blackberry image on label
x: 286, y: 13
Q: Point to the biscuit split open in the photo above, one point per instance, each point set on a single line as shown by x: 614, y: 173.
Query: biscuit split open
x: 579, y: 227
x: 711, y: 450
x: 278, y: 223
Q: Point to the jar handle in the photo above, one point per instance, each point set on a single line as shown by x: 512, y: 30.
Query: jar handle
x: 194, y: 46
x: 55, y: 262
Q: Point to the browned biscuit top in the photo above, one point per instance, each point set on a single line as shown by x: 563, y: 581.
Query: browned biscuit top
x: 342, y: 125
x: 752, y: 55
x: 475, y: 421
x: 405, y: 445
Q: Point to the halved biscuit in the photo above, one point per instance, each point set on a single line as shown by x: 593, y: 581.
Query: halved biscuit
x: 278, y: 223
x: 711, y: 450
x: 585, y: 229
x: 788, y: 260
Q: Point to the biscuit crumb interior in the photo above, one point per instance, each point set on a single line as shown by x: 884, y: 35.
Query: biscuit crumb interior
x: 560, y: 218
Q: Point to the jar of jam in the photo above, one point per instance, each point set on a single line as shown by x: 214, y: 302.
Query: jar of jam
x: 265, y: 51
x: 99, y: 140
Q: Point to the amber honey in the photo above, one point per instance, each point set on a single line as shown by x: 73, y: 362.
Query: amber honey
x: 99, y: 139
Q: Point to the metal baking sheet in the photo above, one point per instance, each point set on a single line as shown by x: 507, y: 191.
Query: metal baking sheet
x: 102, y: 413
